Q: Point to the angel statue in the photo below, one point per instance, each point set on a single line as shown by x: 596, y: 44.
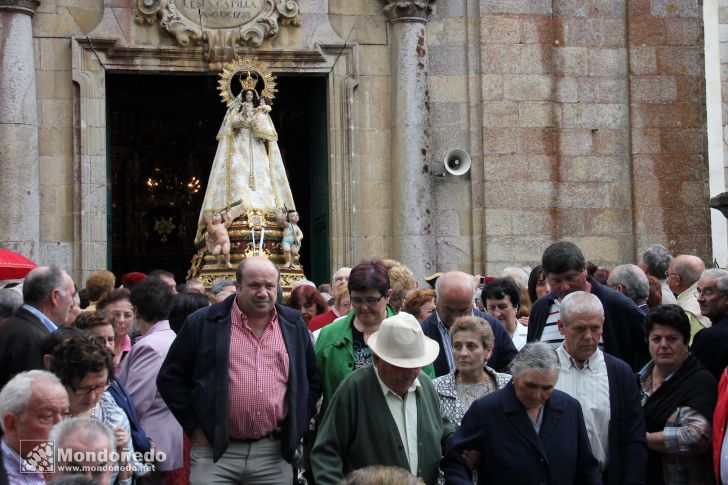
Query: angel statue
x: 292, y: 236
x: 248, y: 165
x: 217, y: 237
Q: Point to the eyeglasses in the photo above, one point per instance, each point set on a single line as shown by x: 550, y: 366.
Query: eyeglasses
x: 705, y: 292
x: 668, y: 274
x: 83, y: 391
x: 370, y: 302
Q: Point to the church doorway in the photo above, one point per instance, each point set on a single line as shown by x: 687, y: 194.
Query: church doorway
x: 161, y: 136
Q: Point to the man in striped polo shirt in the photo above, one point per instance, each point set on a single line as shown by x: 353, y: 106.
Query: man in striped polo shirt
x: 565, y: 268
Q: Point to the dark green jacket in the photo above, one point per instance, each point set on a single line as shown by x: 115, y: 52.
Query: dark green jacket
x: 335, y: 355
x: 358, y: 430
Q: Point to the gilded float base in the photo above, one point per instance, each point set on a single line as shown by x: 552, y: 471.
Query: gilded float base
x: 243, y: 233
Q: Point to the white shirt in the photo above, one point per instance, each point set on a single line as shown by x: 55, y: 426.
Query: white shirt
x: 404, y: 413
x: 520, y: 335
x: 590, y: 386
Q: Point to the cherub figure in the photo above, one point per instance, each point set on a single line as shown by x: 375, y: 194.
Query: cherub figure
x: 218, y: 239
x: 292, y: 236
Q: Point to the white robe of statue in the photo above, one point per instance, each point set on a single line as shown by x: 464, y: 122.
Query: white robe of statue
x: 248, y: 168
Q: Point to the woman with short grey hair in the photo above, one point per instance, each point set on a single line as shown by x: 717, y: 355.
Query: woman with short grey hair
x: 536, y: 356
x: 547, y: 440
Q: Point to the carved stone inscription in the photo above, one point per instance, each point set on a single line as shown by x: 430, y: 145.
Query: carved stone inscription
x: 220, y: 14
x: 222, y: 26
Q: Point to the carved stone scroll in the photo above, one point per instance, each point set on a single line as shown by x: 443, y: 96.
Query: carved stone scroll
x: 220, y: 25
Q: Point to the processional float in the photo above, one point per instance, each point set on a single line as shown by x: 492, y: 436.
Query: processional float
x: 248, y: 209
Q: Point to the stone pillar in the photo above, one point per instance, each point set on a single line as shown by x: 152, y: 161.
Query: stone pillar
x: 413, y: 243
x: 19, y: 183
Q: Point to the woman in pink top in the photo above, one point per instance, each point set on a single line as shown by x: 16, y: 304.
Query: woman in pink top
x: 116, y: 305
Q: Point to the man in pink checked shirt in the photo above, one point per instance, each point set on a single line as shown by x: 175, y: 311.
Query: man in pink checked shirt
x: 241, y: 378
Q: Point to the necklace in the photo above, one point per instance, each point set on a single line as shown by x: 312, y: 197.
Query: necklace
x: 468, y: 393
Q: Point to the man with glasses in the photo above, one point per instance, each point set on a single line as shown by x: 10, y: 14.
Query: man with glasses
x: 682, y: 278
x: 152, y: 300
x: 710, y: 345
x: 454, y: 298
x: 30, y: 404
x: 565, y: 269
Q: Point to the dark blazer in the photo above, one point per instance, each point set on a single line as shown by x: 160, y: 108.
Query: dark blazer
x: 624, y: 336
x: 710, y: 346
x: 503, y: 348
x: 20, y: 338
x: 193, y: 380
x: 510, y: 451
x: 627, y: 444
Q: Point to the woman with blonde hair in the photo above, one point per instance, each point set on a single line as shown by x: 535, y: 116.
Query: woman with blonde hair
x: 472, y: 344
x: 420, y: 303
x: 401, y: 280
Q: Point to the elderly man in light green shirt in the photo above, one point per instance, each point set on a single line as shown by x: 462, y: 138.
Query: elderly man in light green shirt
x: 682, y: 278
x: 386, y: 413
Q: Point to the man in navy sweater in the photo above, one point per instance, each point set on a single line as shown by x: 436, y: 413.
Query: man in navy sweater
x: 565, y: 268
x: 454, y: 292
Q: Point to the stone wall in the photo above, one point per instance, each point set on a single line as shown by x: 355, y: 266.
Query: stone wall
x: 723, y: 39
x: 363, y: 23
x: 585, y: 120
x: 61, y: 216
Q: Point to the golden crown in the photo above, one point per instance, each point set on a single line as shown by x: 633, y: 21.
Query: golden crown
x: 250, y: 82
x: 251, y: 72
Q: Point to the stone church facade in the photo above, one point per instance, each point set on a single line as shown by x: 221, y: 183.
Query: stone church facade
x: 584, y: 120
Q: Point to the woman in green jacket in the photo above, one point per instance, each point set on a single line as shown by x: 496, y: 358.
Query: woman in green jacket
x: 341, y: 347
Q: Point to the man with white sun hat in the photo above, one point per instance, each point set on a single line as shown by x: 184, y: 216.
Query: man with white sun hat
x: 386, y: 413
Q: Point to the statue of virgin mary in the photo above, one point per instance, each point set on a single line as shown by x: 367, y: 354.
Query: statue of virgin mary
x: 247, y: 171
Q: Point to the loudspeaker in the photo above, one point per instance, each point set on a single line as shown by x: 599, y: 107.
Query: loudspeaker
x: 457, y: 162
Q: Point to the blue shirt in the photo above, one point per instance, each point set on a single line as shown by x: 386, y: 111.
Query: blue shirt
x: 446, y: 344
x: 13, y: 466
x: 41, y: 316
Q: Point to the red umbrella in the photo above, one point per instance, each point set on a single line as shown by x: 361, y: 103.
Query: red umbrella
x: 13, y: 265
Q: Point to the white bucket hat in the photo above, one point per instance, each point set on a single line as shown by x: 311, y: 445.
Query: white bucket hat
x: 401, y: 342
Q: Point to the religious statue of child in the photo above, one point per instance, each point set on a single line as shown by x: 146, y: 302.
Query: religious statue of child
x: 218, y: 239
x: 292, y: 236
x: 262, y: 124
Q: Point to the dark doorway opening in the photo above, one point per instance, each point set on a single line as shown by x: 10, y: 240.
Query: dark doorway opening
x: 161, y: 145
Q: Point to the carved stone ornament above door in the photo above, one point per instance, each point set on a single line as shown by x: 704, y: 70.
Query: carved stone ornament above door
x: 221, y: 25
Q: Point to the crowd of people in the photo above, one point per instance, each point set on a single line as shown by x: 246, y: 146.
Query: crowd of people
x: 566, y: 373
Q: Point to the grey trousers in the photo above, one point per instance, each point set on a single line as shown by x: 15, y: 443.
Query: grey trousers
x: 259, y: 462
